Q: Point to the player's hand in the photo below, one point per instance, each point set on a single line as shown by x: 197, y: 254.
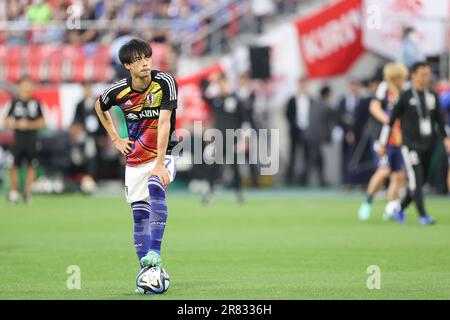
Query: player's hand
x: 381, y: 151
x: 350, y: 137
x: 162, y: 174
x: 123, y: 145
x: 447, y: 144
x: 22, y: 124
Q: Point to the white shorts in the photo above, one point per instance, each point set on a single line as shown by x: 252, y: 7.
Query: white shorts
x: 136, y: 179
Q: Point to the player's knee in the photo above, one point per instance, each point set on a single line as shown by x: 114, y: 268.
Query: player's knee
x: 398, y: 178
x: 155, y: 188
x: 385, y: 172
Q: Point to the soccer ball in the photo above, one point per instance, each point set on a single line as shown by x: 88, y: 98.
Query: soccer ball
x: 152, y: 280
x: 391, y: 208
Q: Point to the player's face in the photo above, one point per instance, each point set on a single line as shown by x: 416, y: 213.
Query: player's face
x: 422, y: 77
x: 223, y: 85
x: 87, y: 90
x: 354, y: 87
x: 141, y: 66
x: 303, y: 86
x: 25, y: 89
x: 399, y: 81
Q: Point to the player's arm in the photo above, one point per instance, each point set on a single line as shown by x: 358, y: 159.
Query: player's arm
x: 168, y: 104
x: 376, y: 110
x: 8, y: 120
x: 375, y: 107
x: 39, y: 122
x: 163, y: 141
x: 387, y: 128
x: 123, y: 145
x: 36, y: 124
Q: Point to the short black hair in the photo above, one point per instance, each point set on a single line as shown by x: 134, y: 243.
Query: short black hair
x: 134, y: 48
x: 25, y: 78
x: 325, y: 91
x: 407, y: 30
x: 222, y: 76
x: 416, y: 66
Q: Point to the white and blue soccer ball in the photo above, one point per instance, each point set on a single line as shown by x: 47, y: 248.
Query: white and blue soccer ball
x: 152, y: 280
x: 391, y: 208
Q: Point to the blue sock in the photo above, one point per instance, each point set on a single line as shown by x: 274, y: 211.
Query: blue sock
x: 141, y: 218
x: 369, y: 199
x: 158, y: 213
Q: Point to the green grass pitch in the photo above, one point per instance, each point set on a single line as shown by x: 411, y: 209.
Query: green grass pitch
x: 278, y: 245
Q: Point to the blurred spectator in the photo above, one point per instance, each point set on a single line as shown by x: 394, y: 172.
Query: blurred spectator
x: 54, y: 32
x: 410, y: 52
x: 317, y: 134
x: 287, y: 6
x: 15, y: 14
x: 84, y: 34
x: 362, y: 113
x: 362, y: 164
x: 261, y: 10
x: 227, y: 114
x: 297, y: 114
x: 85, y: 134
x: 246, y: 97
x: 346, y: 120
x: 39, y: 12
x: 120, y: 70
x: 103, y: 21
x: 25, y: 117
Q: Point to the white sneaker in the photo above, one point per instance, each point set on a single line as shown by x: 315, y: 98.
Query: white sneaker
x: 13, y: 197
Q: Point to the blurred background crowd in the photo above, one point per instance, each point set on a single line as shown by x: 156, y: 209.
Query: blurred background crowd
x: 257, y: 52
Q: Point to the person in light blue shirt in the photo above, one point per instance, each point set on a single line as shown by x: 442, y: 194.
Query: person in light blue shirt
x: 410, y: 52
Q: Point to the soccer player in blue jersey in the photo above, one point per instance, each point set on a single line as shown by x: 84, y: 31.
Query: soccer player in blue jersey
x: 391, y: 165
x: 148, y: 100
x: 445, y: 103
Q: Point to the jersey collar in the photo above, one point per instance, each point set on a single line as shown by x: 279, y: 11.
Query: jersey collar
x: 152, y: 75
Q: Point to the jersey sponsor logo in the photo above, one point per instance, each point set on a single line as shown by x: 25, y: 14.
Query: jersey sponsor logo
x: 132, y: 117
x: 128, y: 103
x: 146, y: 113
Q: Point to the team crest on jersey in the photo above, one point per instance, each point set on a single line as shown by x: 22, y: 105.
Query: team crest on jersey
x: 150, y: 98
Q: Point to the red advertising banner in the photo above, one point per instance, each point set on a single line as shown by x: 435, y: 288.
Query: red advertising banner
x: 331, y: 39
x: 192, y: 107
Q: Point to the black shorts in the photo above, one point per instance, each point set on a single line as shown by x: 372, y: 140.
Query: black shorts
x: 25, y: 154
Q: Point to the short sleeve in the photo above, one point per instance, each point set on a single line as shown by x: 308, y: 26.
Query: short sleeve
x: 78, y: 118
x: 169, y: 87
x: 381, y: 92
x: 10, y: 110
x: 107, y: 99
x: 39, y: 110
